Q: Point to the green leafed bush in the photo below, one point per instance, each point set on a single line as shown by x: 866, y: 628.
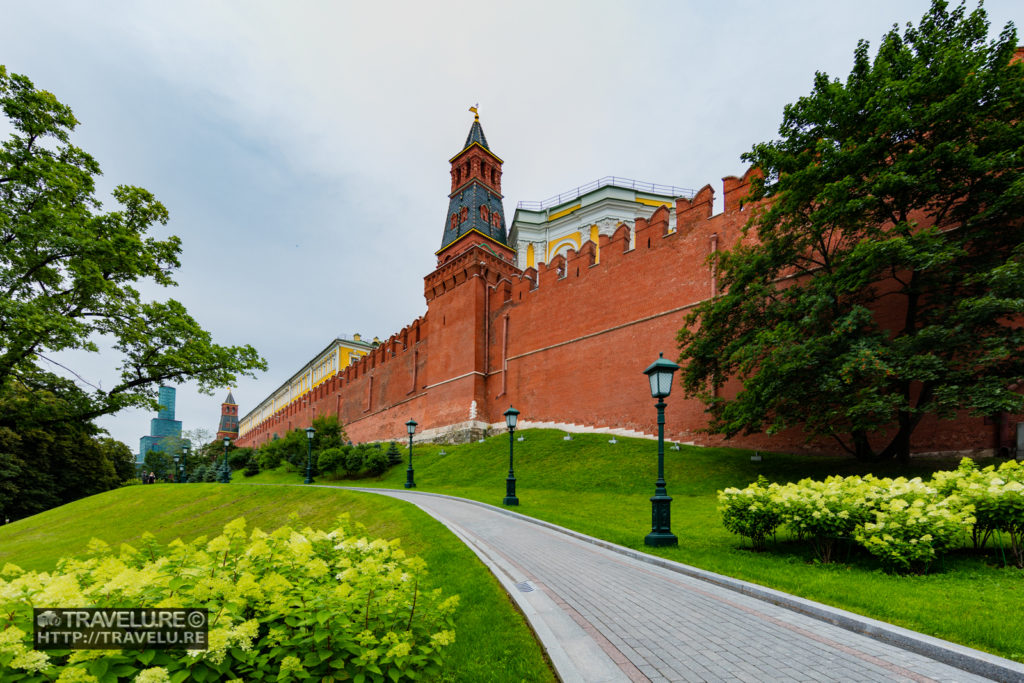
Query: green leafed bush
x: 906, y: 523
x: 290, y: 605
x: 239, y: 457
x: 252, y: 468
x: 377, y: 462
x: 751, y: 512
x: 997, y: 496
x: 354, y: 459
x: 331, y: 460
x: 909, y: 536
x: 270, y: 456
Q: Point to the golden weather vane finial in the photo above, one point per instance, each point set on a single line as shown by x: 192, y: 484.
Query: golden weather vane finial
x: 476, y: 114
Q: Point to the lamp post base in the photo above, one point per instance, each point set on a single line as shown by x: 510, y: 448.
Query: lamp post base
x: 661, y: 523
x: 510, y: 492
x: 409, y: 482
x: 658, y: 539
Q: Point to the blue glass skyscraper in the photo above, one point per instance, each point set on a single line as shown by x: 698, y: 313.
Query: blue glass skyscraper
x: 164, y: 430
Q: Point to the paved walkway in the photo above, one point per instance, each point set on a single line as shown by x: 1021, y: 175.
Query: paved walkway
x: 607, y: 613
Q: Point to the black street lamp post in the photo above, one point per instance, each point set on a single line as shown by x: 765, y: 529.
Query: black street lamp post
x: 511, y: 417
x: 309, y: 454
x: 410, y: 426
x: 225, y: 471
x: 660, y: 374
x: 184, y: 463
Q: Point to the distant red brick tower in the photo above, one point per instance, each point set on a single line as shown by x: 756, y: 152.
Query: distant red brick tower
x: 228, y: 418
x: 475, y: 214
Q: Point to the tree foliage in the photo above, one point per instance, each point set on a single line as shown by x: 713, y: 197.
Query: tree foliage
x: 42, y: 467
x: 160, y: 464
x: 899, y: 193
x: 69, y: 271
x: 119, y: 455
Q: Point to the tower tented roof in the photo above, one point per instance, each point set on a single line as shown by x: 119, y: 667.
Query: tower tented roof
x: 475, y: 205
x: 230, y: 399
x: 476, y: 134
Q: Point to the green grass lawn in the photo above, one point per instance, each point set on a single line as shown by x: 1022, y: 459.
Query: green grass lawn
x: 602, y: 489
x: 493, y: 642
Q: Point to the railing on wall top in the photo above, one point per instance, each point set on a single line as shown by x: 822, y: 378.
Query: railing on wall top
x: 615, y: 181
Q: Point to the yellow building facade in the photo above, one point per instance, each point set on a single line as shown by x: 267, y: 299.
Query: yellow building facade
x: 337, y: 356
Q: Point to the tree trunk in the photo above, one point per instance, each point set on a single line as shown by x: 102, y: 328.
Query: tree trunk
x: 899, y: 447
x: 862, y: 448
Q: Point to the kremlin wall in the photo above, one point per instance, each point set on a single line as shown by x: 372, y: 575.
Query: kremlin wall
x: 564, y: 342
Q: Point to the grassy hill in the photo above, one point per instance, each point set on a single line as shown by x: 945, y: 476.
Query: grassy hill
x: 493, y: 642
x: 603, y: 489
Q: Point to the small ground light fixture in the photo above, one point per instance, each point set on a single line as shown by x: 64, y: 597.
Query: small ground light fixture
x: 612, y: 440
x: 567, y: 437
x: 756, y: 457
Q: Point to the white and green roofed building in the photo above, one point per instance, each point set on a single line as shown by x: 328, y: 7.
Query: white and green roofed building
x: 542, y: 230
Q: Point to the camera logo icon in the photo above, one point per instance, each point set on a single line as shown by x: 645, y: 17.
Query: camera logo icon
x: 48, y: 618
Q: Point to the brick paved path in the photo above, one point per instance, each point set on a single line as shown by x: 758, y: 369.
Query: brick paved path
x: 604, y: 616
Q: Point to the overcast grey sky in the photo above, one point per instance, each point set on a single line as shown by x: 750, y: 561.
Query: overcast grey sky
x: 302, y: 147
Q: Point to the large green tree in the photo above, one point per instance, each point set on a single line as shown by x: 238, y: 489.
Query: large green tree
x: 45, y: 466
x: 69, y: 272
x: 887, y: 275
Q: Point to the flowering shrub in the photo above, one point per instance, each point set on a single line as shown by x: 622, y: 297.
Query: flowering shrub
x: 288, y: 605
x: 910, y: 535
x: 826, y: 511
x: 998, y: 499
x: 750, y: 512
x: 906, y: 523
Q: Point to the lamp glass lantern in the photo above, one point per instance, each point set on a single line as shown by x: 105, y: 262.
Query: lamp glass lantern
x: 511, y: 417
x: 660, y: 375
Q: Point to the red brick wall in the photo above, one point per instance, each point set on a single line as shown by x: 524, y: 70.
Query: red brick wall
x: 575, y: 336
